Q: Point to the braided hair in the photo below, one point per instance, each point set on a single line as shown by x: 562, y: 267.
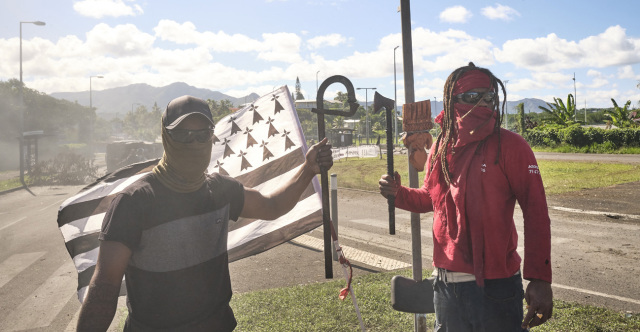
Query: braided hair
x: 445, y: 138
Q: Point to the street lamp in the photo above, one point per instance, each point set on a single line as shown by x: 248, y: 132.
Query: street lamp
x: 575, y: 99
x: 22, y: 106
x: 366, y: 109
x: 395, y: 95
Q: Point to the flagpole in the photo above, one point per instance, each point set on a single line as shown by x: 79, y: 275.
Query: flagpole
x: 420, y: 322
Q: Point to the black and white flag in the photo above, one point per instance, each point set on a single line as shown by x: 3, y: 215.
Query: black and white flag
x: 260, y: 145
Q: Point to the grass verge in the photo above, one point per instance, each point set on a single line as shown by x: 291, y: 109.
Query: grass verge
x: 316, y: 307
x: 558, y: 176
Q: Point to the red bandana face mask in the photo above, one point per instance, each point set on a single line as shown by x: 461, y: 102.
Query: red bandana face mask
x: 474, y: 123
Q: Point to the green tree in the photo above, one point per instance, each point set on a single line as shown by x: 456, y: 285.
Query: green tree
x: 142, y: 124
x: 621, y: 117
x: 521, y: 119
x: 299, y: 95
x: 559, y: 113
x: 338, y: 121
x: 67, y: 121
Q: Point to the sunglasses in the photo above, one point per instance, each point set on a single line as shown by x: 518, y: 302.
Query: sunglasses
x: 474, y: 97
x: 188, y: 136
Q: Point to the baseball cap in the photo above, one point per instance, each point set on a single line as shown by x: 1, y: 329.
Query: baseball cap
x: 182, y: 107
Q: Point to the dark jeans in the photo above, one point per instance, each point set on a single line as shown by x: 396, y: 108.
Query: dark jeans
x: 465, y: 306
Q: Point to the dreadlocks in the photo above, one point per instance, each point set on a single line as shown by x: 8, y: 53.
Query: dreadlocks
x: 444, y: 140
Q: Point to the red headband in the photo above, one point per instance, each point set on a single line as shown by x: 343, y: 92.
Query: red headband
x: 471, y: 80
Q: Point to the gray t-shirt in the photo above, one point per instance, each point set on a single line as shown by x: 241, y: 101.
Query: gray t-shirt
x: 178, y: 273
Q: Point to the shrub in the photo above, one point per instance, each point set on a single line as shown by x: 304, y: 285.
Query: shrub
x: 66, y: 168
x: 573, y: 135
x: 593, y: 135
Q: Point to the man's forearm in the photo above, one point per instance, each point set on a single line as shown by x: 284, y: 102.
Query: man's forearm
x: 287, y: 196
x: 99, y: 307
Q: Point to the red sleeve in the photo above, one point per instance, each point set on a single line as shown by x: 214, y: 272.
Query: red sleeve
x: 524, y: 178
x: 414, y: 199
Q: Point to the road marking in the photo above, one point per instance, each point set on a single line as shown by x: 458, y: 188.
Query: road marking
x: 16, y: 264
x: 599, y: 213
x: 13, y: 222
x: 378, y: 240
x: 619, y: 298
x: 52, y: 204
x: 42, y: 306
x: 353, y: 254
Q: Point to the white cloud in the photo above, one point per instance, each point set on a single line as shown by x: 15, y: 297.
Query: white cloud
x: 627, y: 72
x: 333, y: 39
x: 121, y: 40
x: 551, y: 53
x: 525, y: 85
x: 102, y: 8
x: 594, y: 73
x: 553, y: 78
x: 455, y: 14
x: 500, y: 12
x: 597, y: 82
x: 281, y: 46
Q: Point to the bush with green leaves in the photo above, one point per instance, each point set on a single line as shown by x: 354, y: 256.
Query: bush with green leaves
x: 573, y: 135
x: 552, y: 136
x: 66, y: 168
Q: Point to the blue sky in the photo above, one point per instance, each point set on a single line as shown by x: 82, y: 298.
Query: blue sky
x: 244, y: 46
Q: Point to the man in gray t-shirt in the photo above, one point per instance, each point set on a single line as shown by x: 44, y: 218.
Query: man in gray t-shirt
x: 167, y: 232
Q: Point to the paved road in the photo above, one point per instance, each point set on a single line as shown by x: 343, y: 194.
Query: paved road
x: 595, y: 257
x: 604, y: 158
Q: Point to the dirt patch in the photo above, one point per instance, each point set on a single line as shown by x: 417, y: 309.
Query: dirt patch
x: 616, y: 199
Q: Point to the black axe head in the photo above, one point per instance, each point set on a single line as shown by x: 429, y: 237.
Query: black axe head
x: 380, y: 101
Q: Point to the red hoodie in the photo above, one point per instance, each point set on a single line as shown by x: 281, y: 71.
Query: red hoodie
x: 480, y: 221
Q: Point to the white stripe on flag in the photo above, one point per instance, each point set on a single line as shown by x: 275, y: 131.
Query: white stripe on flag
x: 102, y: 190
x: 86, y: 260
x: 259, y: 228
x: 82, y: 227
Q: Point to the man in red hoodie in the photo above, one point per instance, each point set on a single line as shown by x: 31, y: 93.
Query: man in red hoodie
x: 475, y: 173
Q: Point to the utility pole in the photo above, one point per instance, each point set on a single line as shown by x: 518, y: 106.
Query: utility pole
x: 506, y: 125
x: 22, y: 107
x: 395, y: 98
x: 420, y: 320
x: 575, y: 100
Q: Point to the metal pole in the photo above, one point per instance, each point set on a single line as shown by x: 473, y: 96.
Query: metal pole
x: 506, y: 126
x: 575, y: 99
x: 317, y: 85
x: 420, y: 322
x: 22, y: 107
x: 21, y: 116
x: 395, y: 98
x: 366, y: 110
x: 334, y: 210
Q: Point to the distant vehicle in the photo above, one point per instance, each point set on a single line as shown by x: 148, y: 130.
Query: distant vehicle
x: 123, y: 153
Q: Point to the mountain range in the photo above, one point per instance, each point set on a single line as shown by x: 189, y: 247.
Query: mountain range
x: 116, y: 102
